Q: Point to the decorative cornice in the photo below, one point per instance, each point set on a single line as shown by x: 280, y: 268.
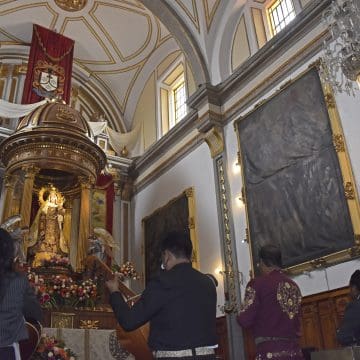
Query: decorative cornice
x: 209, y: 120
x: 206, y: 93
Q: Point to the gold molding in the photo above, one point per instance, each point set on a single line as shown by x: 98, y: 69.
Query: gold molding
x: 62, y: 320
x: 89, y: 324
x: 231, y: 304
x: 209, y: 15
x: 193, y: 17
x: 116, y: 48
x: 71, y: 5
x: 350, y: 190
x: 33, y: 5
x: 111, y: 60
x: 338, y: 141
x: 233, y: 42
x: 122, y: 106
x: 160, y: 40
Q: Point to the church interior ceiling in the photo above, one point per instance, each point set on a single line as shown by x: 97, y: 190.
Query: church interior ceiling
x: 118, y: 43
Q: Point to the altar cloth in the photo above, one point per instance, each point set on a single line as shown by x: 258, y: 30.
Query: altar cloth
x: 91, y: 344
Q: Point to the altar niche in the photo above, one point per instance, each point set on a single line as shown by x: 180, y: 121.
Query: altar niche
x: 52, y: 161
x: 49, y: 235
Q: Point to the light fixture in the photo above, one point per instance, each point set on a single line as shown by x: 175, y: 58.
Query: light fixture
x: 342, y: 49
x: 236, y: 168
x: 240, y: 201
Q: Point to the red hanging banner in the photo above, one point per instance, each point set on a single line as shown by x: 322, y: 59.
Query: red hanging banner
x: 50, y: 66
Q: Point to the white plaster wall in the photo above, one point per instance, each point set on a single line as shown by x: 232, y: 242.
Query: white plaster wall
x: 195, y: 170
x: 314, y: 281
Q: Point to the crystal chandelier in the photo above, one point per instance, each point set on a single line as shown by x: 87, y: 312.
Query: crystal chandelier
x: 342, y: 49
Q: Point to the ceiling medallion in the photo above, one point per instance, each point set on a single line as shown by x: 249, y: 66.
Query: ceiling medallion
x: 71, y: 5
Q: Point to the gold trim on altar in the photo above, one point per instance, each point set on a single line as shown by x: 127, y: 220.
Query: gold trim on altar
x: 62, y: 320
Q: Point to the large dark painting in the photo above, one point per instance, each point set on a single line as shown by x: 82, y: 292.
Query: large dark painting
x: 293, y: 182
x: 174, y: 216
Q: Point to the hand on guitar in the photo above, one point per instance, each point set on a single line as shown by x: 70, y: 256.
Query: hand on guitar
x: 113, y: 284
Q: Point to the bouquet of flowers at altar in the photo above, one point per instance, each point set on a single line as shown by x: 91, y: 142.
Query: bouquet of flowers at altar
x: 127, y: 270
x: 61, y: 290
x: 51, y: 349
x: 57, y: 260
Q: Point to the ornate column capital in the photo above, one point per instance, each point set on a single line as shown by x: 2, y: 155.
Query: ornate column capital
x: 10, y: 180
x: 85, y: 182
x: 215, y: 140
x: 124, y: 186
x: 30, y: 171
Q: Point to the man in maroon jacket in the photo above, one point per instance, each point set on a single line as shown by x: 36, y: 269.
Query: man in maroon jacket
x: 271, y: 309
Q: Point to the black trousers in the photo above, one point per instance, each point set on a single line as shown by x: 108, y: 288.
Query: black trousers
x: 7, y: 353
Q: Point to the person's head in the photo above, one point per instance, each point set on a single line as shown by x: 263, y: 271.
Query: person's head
x: 269, y: 258
x: 176, y: 248
x: 355, y: 284
x: 7, y: 252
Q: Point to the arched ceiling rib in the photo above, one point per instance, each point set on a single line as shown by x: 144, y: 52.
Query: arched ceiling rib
x: 118, y: 42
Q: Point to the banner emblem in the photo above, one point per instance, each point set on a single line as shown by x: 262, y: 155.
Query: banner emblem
x: 48, y: 79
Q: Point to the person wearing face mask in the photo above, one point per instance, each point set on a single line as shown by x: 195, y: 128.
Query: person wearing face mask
x: 349, y: 331
x: 180, y: 305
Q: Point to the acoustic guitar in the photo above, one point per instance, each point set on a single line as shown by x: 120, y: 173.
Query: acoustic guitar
x: 28, y: 346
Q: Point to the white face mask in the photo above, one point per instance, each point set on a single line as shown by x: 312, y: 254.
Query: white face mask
x: 162, y: 266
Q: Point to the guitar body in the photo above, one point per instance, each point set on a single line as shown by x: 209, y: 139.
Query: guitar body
x: 28, y: 346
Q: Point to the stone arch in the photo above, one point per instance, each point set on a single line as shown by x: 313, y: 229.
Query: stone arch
x: 183, y: 35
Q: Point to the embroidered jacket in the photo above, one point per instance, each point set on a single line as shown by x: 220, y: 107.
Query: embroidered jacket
x: 271, y: 309
x: 272, y: 306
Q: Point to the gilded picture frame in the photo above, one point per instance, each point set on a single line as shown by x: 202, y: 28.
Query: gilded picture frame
x: 177, y: 214
x: 348, y: 182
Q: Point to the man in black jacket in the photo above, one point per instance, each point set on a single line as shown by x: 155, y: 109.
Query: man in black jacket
x: 349, y: 331
x: 180, y: 305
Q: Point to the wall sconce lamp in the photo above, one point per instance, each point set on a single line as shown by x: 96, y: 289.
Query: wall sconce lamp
x: 236, y: 168
x: 240, y: 201
x: 246, y: 239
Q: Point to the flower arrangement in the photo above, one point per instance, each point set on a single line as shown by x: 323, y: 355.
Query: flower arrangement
x: 51, y: 349
x: 57, y: 260
x: 62, y: 290
x: 127, y: 270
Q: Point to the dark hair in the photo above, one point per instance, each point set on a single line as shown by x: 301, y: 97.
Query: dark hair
x: 270, y: 255
x: 355, y: 279
x: 6, y: 257
x: 178, y: 243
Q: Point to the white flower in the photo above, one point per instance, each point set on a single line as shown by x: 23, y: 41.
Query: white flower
x: 50, y: 354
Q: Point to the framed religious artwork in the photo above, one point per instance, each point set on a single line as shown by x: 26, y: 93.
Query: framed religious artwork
x: 98, y: 208
x: 177, y: 215
x: 299, y: 189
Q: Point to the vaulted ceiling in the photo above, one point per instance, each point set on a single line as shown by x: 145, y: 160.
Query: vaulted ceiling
x: 118, y: 43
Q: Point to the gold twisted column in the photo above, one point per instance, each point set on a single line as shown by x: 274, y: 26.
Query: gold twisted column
x: 85, y: 223
x: 9, y: 183
x: 25, y: 210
